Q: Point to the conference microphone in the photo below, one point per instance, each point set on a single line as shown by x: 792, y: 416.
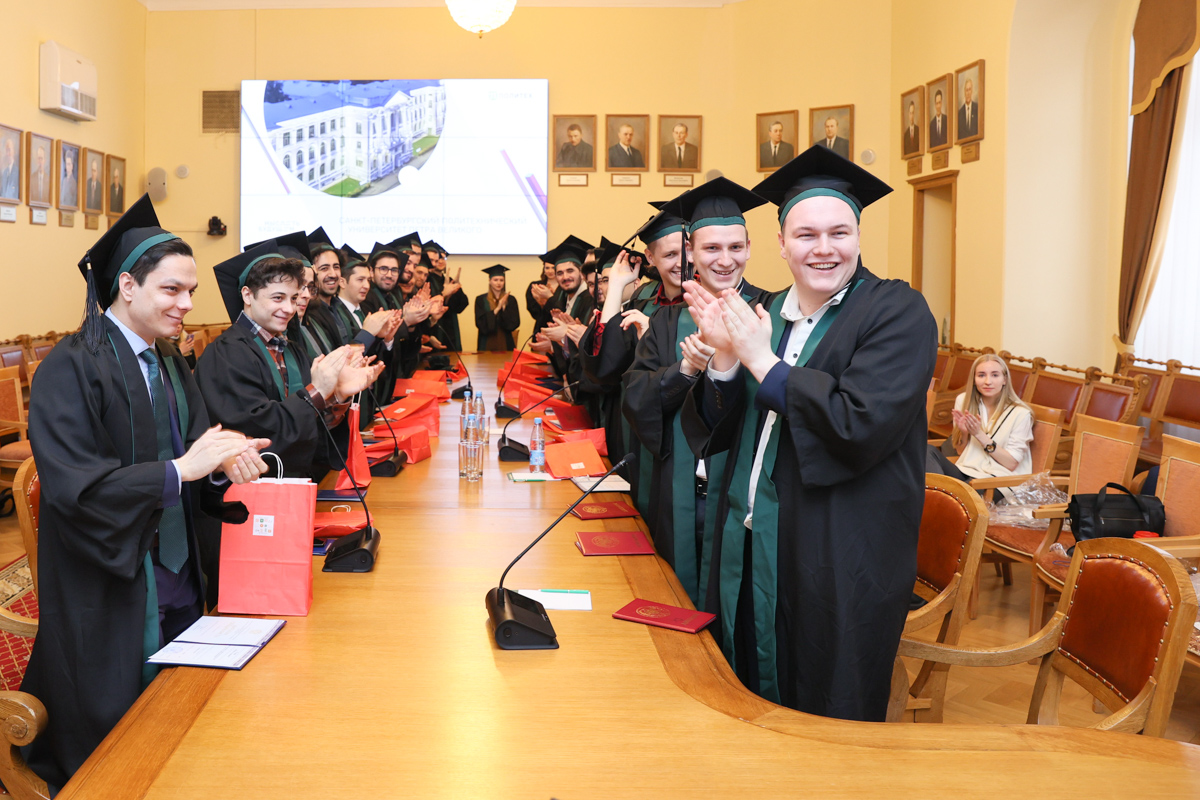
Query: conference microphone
x: 520, y: 623
x: 503, y: 411
x: 356, y: 551
x: 508, y: 450
x: 390, y: 466
x: 461, y: 392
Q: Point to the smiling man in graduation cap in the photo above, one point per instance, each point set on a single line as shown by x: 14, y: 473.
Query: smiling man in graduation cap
x: 124, y: 454
x: 669, y: 359
x: 817, y: 398
x: 572, y: 297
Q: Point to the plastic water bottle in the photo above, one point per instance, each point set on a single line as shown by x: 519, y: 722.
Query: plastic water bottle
x: 480, y: 410
x: 468, y: 449
x: 537, y: 447
x: 462, y: 419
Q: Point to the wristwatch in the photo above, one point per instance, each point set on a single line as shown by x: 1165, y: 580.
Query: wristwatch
x: 990, y: 447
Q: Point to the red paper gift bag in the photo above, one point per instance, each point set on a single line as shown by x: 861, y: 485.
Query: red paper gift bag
x: 416, y: 409
x: 338, y: 523
x: 437, y: 389
x: 266, y: 562
x: 520, y: 356
x: 356, y: 459
x: 413, y: 441
x: 595, y: 435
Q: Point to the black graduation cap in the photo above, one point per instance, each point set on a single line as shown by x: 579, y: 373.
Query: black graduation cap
x: 495, y: 270
x: 607, y: 253
x: 381, y: 249
x: 121, y: 246
x: 820, y: 171
x: 410, y: 242
x: 661, y: 224
x: 435, y: 247
x: 231, y: 274
x: 352, y: 255
x: 290, y: 245
x: 571, y: 249
x: 425, y: 262
x: 718, y: 202
x: 319, y: 242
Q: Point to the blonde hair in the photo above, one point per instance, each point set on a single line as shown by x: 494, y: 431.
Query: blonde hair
x: 974, y: 400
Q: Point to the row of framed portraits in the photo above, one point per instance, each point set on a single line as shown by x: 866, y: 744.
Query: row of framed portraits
x: 51, y: 173
x: 948, y: 110
x: 629, y: 143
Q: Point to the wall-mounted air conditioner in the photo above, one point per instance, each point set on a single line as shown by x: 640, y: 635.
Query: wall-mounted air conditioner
x: 68, y: 83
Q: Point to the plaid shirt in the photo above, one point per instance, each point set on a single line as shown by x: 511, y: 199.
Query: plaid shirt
x: 333, y: 413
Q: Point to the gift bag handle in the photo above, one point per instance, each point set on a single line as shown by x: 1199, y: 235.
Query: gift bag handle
x: 278, y: 463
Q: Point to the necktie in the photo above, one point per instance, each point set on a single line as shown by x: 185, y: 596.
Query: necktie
x: 774, y: 154
x: 679, y: 156
x: 362, y: 315
x: 172, y: 528
x: 275, y: 348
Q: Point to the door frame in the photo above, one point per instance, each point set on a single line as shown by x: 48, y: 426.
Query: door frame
x: 920, y: 186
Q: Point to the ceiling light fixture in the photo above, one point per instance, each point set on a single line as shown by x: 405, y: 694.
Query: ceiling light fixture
x: 481, y: 16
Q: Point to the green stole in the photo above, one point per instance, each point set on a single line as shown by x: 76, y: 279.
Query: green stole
x: 386, y: 299
x: 352, y: 324
x: 295, y: 382
x: 150, y: 627
x: 322, y: 340
x: 765, y: 532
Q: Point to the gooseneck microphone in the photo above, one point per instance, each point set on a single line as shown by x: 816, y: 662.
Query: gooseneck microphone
x: 503, y: 411
x: 356, y: 551
x: 461, y: 392
x: 508, y: 450
x: 519, y: 622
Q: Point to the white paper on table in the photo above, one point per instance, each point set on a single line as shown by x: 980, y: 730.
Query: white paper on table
x: 613, y: 483
x: 531, y: 477
x: 231, y: 630
x: 560, y: 599
x: 193, y: 654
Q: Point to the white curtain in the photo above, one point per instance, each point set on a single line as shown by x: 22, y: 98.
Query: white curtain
x: 1171, y: 325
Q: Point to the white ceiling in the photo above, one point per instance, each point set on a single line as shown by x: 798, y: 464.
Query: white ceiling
x: 228, y: 5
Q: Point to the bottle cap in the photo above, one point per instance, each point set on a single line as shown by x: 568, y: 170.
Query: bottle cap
x: 537, y: 420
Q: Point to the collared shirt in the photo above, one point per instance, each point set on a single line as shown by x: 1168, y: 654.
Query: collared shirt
x: 275, y: 344
x: 139, y: 346
x: 354, y: 313
x: 801, y: 328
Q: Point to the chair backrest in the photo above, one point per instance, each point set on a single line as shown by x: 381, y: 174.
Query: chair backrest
x: 1104, y: 452
x: 939, y: 366
x: 1154, y: 379
x: 1047, y: 431
x: 930, y: 400
x: 10, y: 372
x: 1179, y: 401
x: 953, y: 524
x: 1057, y: 391
x: 40, y: 351
x: 33, y: 365
x: 199, y: 342
x: 13, y: 355
x: 1129, y: 610
x: 27, y: 493
x: 12, y: 407
x: 1113, y: 401
x: 1019, y: 375
x: 1179, y: 486
x: 958, y: 374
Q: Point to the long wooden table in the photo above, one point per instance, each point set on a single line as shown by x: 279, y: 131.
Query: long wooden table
x: 393, y: 687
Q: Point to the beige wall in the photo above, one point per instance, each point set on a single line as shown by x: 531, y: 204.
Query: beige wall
x: 725, y: 63
x: 43, y: 288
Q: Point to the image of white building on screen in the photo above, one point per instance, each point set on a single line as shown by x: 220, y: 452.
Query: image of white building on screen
x: 351, y: 138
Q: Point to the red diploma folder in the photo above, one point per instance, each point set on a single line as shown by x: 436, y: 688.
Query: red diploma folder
x: 613, y: 543
x: 665, y: 616
x: 612, y: 510
x: 573, y: 459
x: 569, y: 418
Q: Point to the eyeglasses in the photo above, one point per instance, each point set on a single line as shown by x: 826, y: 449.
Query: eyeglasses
x: 388, y: 270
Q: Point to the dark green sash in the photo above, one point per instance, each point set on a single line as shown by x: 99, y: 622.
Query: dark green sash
x: 683, y: 488
x: 765, y: 533
x: 295, y: 382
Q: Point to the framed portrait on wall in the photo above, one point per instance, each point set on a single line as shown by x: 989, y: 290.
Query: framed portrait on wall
x: 114, y: 185
x: 93, y: 181
x: 628, y: 140
x: 833, y: 127
x: 912, y: 120
x: 968, y: 83
x: 66, y: 169
x: 681, y: 142
x: 939, y: 94
x: 39, y: 170
x: 776, y: 133
x: 574, y: 138
x: 12, y: 149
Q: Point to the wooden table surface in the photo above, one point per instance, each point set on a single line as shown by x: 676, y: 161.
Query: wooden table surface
x: 393, y: 687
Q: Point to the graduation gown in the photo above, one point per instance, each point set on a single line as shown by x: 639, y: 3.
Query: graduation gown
x: 491, y: 324
x: 811, y: 605
x: 655, y: 389
x: 91, y: 426
x: 350, y: 331
x: 539, y: 314
x: 317, y: 330
x: 447, y: 327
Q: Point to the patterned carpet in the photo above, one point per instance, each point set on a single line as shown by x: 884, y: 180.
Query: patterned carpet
x: 16, y: 595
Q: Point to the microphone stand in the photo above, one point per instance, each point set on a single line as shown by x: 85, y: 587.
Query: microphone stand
x: 503, y: 411
x: 520, y: 623
x: 390, y: 467
x: 356, y: 551
x: 508, y: 450
x: 461, y: 392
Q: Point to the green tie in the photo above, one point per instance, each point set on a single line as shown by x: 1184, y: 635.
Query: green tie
x: 172, y: 528
x: 362, y: 315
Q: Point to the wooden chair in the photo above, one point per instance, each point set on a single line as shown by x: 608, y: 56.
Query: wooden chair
x: 33, y: 365
x: 1056, y: 389
x: 1133, y: 367
x: 1020, y: 370
x: 28, y: 495
x: 199, y: 342
x: 15, y: 355
x: 12, y: 420
x: 955, y: 377
x: 1104, y: 451
x: 1120, y: 631
x: 951, y: 538
x: 1177, y: 403
x: 1047, y: 431
x: 22, y: 718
